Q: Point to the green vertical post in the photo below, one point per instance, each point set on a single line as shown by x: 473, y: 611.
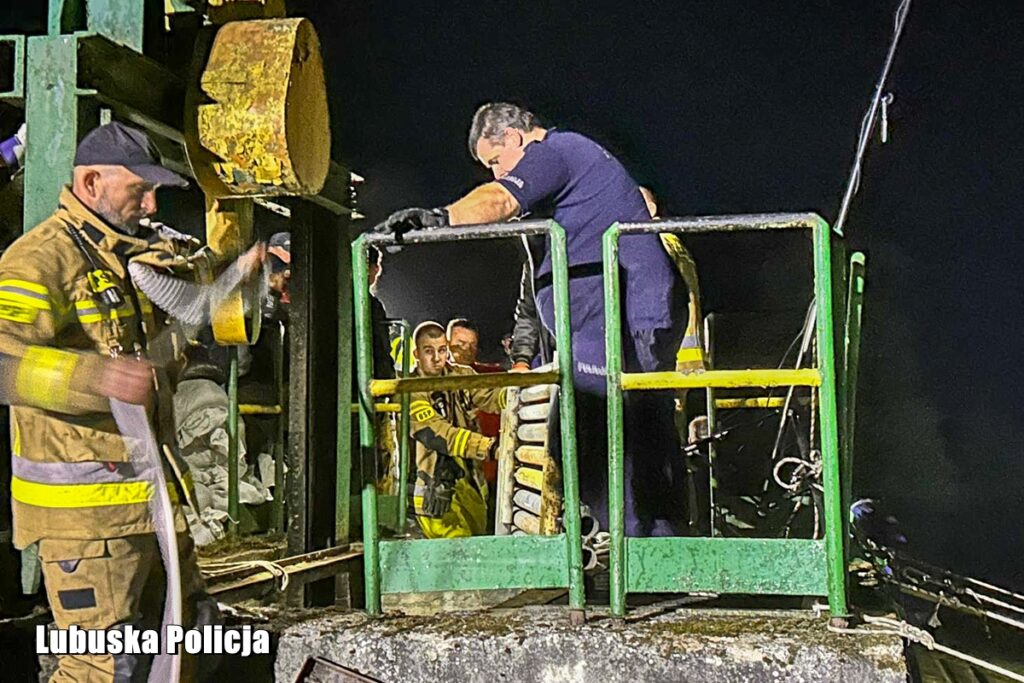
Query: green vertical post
x: 277, y: 507
x: 851, y: 361
x: 123, y: 21
x: 613, y: 363
x: 403, y: 429
x: 232, y: 440
x: 51, y: 112
x: 364, y: 371
x: 829, y: 420
x: 65, y: 16
x: 343, y: 442
x: 567, y: 417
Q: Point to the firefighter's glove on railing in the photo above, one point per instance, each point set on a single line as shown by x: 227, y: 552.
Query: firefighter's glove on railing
x: 437, y: 499
x: 401, y: 222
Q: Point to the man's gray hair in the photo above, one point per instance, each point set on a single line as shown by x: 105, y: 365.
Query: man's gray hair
x: 491, y: 120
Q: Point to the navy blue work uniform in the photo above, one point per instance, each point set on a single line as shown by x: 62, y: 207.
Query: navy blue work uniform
x: 589, y: 190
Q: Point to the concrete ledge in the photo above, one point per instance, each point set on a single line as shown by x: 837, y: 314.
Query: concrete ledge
x: 538, y: 644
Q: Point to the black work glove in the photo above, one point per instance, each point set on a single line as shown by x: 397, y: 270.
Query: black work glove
x: 401, y: 222
x: 437, y: 499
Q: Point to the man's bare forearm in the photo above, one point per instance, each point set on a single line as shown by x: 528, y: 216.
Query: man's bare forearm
x: 488, y: 203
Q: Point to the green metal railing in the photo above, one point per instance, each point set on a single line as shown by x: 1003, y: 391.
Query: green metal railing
x: 482, y: 562
x: 727, y: 565
x: 235, y: 411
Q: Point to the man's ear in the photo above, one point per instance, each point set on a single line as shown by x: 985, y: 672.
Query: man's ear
x: 513, y: 138
x: 91, y: 183
x: 416, y: 353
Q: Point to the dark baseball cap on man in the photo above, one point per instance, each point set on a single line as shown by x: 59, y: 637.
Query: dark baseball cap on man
x: 116, y: 144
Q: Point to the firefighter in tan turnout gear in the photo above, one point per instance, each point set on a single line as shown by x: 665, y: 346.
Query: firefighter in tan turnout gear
x: 450, y: 497
x: 77, y: 329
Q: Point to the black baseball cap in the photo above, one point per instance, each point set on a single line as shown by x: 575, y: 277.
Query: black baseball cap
x: 116, y: 144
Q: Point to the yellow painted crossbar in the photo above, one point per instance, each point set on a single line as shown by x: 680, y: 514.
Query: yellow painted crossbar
x: 755, y: 402
x: 408, y: 385
x: 257, y: 409
x: 720, y: 379
x: 381, y: 408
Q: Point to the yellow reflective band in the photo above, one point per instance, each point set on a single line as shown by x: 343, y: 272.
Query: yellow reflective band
x: 33, y: 287
x: 20, y: 298
x: 17, y: 312
x: 684, y: 355
x: 461, y: 442
x: 44, y: 377
x: 503, y: 399
x: 16, y: 440
x: 69, y: 496
x: 88, y: 312
x: 417, y: 405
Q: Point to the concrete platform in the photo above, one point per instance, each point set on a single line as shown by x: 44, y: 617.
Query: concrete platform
x: 539, y: 644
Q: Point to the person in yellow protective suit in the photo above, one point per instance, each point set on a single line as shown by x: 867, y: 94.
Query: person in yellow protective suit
x: 450, y: 497
x: 77, y: 329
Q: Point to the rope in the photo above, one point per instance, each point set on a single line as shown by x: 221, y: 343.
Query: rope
x: 274, y: 569
x: 888, y: 626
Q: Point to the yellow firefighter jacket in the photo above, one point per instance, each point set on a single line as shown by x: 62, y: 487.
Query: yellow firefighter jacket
x: 71, y: 475
x: 690, y: 357
x: 444, y: 425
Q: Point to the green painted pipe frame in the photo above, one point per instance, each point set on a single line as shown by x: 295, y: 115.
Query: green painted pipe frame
x: 364, y: 364
x: 821, y: 247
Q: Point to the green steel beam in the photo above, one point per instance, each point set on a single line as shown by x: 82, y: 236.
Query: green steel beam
x: 567, y: 420
x: 404, y: 429
x: 51, y: 111
x: 769, y: 566
x: 123, y: 21
x: 827, y: 410
x: 367, y: 437
x: 65, y: 16
x: 850, y: 365
x: 232, y: 428
x: 616, y: 439
x: 474, y: 563
x: 15, y: 92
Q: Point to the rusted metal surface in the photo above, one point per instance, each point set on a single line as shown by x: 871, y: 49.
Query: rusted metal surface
x: 261, y: 124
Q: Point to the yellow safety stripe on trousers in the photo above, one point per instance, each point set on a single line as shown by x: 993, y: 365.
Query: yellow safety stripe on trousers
x: 44, y: 377
x: 70, y: 496
x: 88, y: 312
x: 503, y: 399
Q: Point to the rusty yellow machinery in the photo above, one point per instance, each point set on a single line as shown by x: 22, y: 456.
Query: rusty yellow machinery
x: 256, y: 125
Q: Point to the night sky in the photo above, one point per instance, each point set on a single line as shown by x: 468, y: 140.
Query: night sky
x: 724, y: 108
